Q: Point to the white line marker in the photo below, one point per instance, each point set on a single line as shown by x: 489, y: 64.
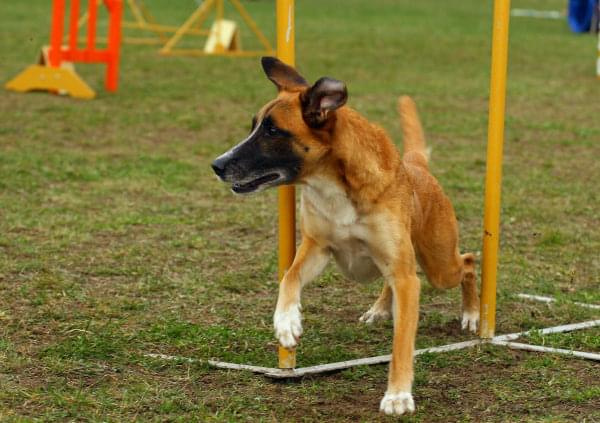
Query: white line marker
x: 540, y: 14
x: 170, y: 357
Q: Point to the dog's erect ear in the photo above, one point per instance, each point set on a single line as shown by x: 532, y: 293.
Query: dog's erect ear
x: 283, y: 76
x: 318, y: 101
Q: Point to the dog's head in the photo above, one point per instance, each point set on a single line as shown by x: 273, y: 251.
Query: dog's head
x: 289, y: 135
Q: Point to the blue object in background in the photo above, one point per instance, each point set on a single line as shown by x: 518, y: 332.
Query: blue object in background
x: 580, y: 14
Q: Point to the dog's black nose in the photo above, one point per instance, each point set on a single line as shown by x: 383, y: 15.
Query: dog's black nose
x: 219, y: 166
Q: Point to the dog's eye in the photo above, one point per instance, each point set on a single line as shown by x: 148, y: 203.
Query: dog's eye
x: 270, y: 129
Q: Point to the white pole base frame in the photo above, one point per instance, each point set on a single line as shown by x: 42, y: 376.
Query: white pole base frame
x: 552, y: 300
x: 340, y: 365
x: 500, y: 340
x: 539, y: 348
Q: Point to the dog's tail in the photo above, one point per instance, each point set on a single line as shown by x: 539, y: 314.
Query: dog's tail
x: 415, y: 150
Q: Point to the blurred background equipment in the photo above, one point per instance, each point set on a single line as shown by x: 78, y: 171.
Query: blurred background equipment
x: 583, y: 15
x: 223, y: 36
x: 55, y: 71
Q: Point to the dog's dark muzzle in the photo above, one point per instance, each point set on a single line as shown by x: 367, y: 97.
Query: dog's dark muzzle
x: 256, y: 164
x: 220, y: 164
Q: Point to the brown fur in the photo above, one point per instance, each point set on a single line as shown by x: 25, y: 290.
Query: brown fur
x: 400, y: 200
x: 375, y: 211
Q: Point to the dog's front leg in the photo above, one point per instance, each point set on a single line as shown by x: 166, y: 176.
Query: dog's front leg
x: 405, y: 285
x: 308, y: 263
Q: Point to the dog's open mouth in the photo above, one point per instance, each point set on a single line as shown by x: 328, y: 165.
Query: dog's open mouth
x: 253, y: 185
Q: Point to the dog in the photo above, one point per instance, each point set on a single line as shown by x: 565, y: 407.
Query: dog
x: 377, y: 212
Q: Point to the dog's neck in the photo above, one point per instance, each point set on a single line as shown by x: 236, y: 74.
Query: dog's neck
x: 369, y: 163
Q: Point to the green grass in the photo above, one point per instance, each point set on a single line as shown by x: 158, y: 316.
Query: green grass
x: 116, y: 240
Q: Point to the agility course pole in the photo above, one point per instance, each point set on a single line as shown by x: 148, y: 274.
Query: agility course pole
x: 287, y: 193
x: 493, y: 177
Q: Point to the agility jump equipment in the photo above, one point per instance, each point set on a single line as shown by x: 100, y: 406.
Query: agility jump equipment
x: 143, y: 20
x: 223, y: 37
x: 287, y: 242
x: 54, y: 73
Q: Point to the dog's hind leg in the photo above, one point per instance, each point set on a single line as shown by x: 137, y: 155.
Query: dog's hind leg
x: 437, y: 250
x: 446, y: 268
x: 309, y: 262
x: 470, y: 298
x: 382, y: 308
x: 466, y: 275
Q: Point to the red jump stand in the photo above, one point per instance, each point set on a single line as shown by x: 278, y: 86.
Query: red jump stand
x: 55, y: 73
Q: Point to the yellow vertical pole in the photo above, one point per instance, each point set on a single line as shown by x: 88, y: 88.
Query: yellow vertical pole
x: 287, y: 195
x: 493, y: 178
x: 219, y: 48
x: 220, y: 8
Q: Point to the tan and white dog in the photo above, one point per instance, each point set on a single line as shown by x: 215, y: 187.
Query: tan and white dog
x: 377, y: 212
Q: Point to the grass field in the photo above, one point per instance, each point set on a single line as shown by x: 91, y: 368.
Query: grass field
x: 116, y: 240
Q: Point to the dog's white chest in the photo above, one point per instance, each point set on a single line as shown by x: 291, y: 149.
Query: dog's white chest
x: 327, y: 200
x: 329, y: 215
x: 328, y: 212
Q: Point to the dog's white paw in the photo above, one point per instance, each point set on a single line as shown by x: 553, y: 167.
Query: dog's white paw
x: 288, y: 326
x: 374, y: 314
x: 470, y: 320
x: 397, y: 404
